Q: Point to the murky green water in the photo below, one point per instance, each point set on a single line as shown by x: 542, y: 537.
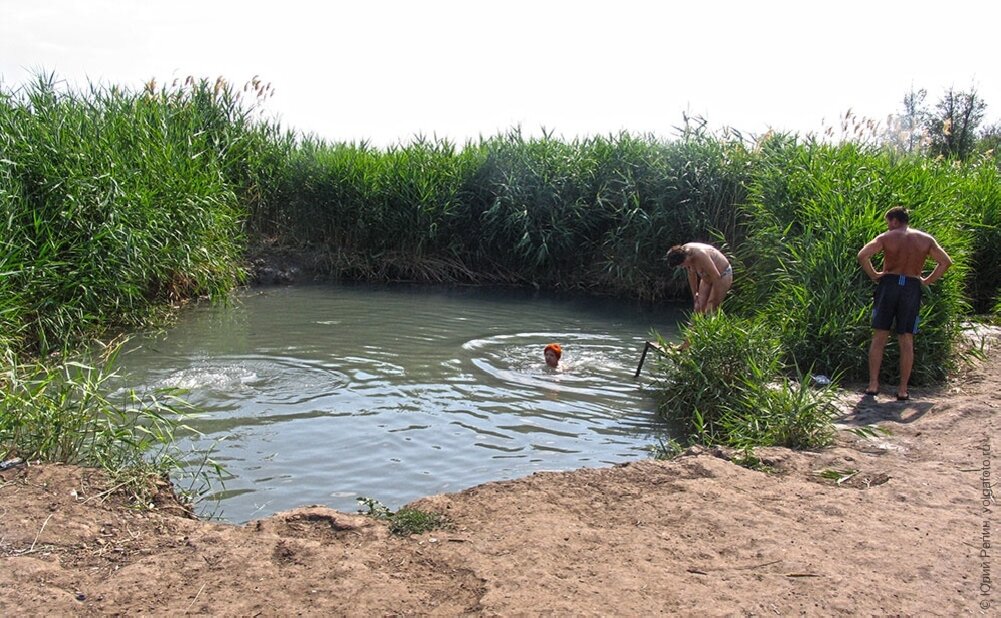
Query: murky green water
x: 322, y: 394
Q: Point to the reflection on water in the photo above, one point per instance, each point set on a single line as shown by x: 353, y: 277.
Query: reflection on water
x: 321, y: 394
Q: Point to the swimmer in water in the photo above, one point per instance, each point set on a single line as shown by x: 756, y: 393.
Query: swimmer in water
x: 553, y: 352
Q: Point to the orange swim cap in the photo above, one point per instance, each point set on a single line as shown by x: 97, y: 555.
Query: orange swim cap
x: 555, y: 347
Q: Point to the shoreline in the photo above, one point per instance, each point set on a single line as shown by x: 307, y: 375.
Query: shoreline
x: 882, y: 522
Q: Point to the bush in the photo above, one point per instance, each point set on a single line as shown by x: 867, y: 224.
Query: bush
x: 723, y: 352
x: 727, y: 388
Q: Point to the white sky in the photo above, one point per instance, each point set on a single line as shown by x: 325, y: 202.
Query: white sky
x: 386, y: 70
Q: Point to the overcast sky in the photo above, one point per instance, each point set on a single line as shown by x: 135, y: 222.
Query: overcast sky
x: 386, y: 70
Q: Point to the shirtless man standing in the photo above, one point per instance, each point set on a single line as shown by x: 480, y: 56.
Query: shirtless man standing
x: 709, y: 273
x: 898, y: 294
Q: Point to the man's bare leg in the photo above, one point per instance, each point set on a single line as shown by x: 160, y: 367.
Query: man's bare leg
x: 906, y: 343
x: 879, y: 338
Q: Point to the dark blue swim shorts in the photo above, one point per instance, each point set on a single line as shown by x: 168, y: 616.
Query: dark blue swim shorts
x: 897, y: 299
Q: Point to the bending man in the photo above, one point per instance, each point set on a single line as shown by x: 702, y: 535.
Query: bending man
x: 709, y: 273
x: 898, y: 294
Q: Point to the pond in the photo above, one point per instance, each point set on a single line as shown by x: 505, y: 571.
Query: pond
x: 323, y: 394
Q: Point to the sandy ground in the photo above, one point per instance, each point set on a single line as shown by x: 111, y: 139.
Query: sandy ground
x: 900, y: 531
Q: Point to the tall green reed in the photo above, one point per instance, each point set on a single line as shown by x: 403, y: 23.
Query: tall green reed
x: 695, y: 385
x: 979, y: 196
x: 596, y: 212
x: 115, y: 202
x: 811, y: 208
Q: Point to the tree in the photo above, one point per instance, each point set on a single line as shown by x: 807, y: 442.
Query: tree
x: 907, y: 132
x: 990, y: 140
x: 953, y: 128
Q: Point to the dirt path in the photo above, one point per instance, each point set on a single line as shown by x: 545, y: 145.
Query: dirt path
x: 903, y: 532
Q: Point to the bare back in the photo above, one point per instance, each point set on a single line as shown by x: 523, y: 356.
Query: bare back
x: 905, y: 251
x: 714, y: 255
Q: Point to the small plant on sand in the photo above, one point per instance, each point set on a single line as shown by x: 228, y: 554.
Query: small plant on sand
x: 838, y: 476
x: 747, y: 458
x: 374, y: 508
x: 406, y: 521
x: 414, y: 521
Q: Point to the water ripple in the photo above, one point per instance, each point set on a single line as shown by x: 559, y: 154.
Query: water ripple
x: 264, y: 379
x: 321, y: 394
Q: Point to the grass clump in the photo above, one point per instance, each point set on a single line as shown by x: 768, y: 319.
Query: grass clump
x: 696, y: 387
x: 666, y: 450
x: 782, y: 412
x: 406, y: 521
x: 414, y: 521
x: 727, y: 388
x: 62, y: 412
x: 747, y: 458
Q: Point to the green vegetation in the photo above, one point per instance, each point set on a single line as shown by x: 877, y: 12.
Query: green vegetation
x: 404, y: 522
x: 747, y: 458
x: 979, y: 196
x: 63, y: 413
x: 116, y: 204
x: 810, y: 210
x: 782, y: 413
x: 729, y: 388
x: 591, y: 213
x: 801, y: 300
x: 667, y: 449
x: 838, y: 476
x: 696, y: 388
x: 414, y: 521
